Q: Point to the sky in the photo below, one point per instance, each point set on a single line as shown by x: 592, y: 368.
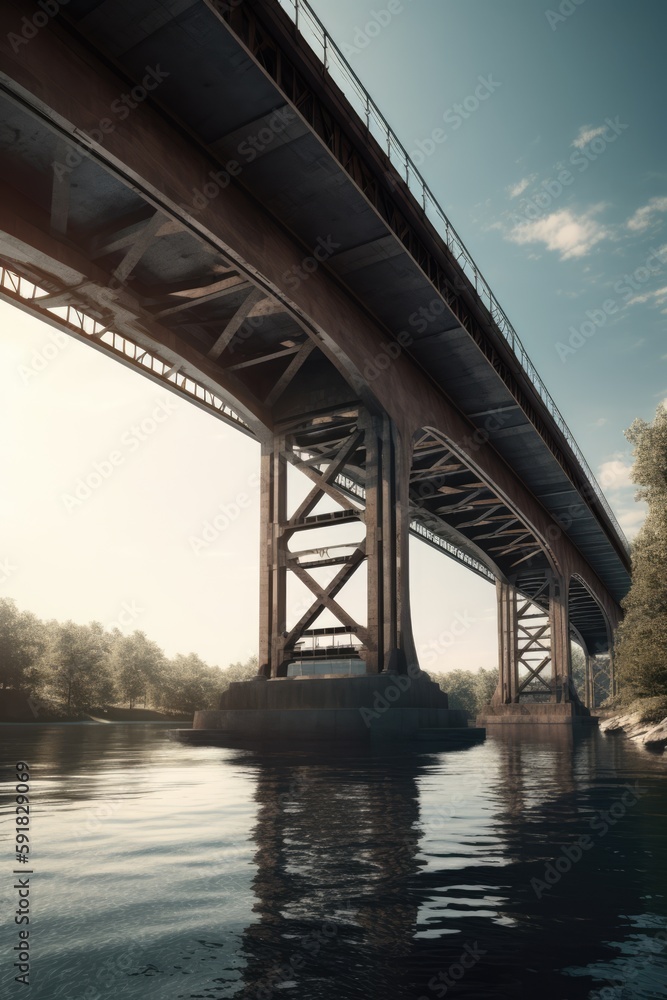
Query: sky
x: 541, y: 132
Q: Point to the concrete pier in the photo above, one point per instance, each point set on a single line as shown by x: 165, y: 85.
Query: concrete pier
x: 365, y: 707
x: 566, y: 713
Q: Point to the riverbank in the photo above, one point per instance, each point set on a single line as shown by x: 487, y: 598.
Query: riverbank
x: 644, y: 721
x: 17, y: 707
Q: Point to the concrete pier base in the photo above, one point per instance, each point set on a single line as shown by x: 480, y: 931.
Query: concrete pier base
x: 370, y: 706
x: 568, y: 713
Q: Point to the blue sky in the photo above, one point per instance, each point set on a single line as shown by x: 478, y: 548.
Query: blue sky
x: 564, y: 213
x: 542, y: 134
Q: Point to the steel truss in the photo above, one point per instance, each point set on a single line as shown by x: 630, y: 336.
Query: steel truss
x: 534, y: 641
x: 348, y: 447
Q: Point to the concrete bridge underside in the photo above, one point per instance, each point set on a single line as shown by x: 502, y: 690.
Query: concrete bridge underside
x: 185, y: 189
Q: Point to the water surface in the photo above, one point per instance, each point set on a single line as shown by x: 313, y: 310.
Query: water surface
x: 164, y: 871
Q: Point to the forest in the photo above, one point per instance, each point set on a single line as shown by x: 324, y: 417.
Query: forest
x: 68, y: 669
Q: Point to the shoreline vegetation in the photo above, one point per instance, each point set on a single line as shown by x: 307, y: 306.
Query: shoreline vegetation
x: 640, y: 708
x: 54, y: 671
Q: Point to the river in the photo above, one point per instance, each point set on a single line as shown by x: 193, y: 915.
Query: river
x: 532, y: 865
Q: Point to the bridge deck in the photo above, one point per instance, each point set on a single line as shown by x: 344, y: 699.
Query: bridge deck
x: 326, y: 182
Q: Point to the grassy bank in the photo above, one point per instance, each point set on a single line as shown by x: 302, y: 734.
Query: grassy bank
x: 17, y: 707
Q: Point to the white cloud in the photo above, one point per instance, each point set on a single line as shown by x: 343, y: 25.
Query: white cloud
x: 658, y: 297
x: 644, y: 216
x: 614, y: 476
x: 586, y: 134
x: 514, y: 190
x: 600, y: 422
x: 631, y: 519
x: 570, y: 234
x: 615, y: 473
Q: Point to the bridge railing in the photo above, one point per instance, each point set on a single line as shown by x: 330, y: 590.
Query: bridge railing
x: 334, y: 62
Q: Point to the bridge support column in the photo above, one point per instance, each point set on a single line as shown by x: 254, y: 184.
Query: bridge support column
x: 533, y: 641
x: 561, y: 656
x: 508, y: 653
x: 357, y: 461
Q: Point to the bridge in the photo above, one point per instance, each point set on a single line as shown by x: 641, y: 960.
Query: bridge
x: 203, y: 190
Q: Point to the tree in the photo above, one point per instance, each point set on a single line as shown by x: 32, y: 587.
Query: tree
x: 486, y: 682
x: 21, y: 646
x: 642, y: 636
x: 461, y: 689
x: 79, y: 661
x: 579, y: 669
x: 189, y: 684
x: 239, y: 672
x: 469, y: 690
x: 136, y: 664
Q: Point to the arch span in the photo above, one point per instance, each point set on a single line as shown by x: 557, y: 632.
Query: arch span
x: 458, y: 501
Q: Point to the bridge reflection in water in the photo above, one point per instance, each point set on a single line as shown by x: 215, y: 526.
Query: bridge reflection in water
x: 377, y: 875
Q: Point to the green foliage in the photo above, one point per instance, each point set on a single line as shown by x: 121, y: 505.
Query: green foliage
x: 579, y: 669
x: 74, y: 668
x: 188, y: 684
x: 137, y: 664
x: 469, y: 691
x: 642, y: 637
x: 485, y: 687
x: 22, y: 638
x: 239, y: 672
x: 78, y: 657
